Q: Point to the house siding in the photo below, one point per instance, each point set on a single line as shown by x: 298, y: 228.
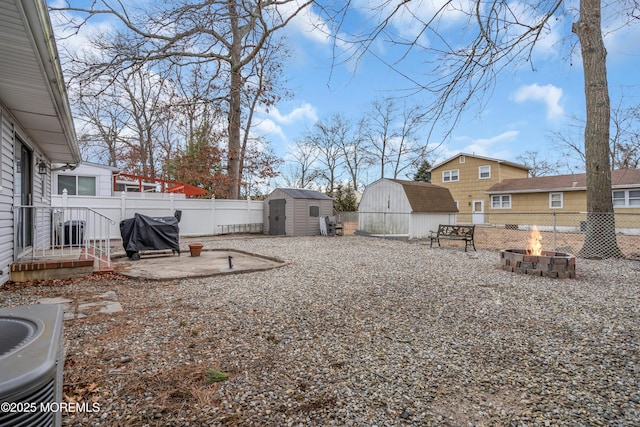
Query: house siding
x: 10, y: 130
x: 469, y: 186
x: 527, y: 208
x: 6, y: 194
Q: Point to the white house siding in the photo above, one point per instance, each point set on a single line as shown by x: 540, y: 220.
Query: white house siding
x: 384, y: 209
x: 9, y: 131
x: 6, y: 195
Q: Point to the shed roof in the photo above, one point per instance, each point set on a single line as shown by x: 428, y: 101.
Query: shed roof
x: 622, y: 178
x: 426, y: 197
x: 300, y: 193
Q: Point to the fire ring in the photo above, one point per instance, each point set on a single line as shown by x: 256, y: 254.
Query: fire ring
x: 549, y: 264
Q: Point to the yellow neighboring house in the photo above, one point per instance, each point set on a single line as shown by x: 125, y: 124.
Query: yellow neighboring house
x: 563, y: 193
x: 468, y: 177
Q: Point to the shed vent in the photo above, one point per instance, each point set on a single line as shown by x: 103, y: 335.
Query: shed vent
x: 31, y: 356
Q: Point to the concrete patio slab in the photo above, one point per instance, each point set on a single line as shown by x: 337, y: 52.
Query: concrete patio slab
x: 211, y: 262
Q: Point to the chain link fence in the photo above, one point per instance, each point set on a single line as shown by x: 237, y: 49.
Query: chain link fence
x: 584, y: 234
x: 587, y: 235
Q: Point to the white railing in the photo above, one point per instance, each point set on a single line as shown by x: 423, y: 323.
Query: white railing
x: 54, y: 232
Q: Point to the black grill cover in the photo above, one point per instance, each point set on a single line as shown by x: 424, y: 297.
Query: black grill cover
x: 144, y: 233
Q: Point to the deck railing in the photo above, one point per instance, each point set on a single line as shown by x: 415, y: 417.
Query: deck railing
x: 54, y: 232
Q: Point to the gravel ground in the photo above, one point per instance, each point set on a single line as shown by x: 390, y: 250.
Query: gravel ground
x: 358, y: 331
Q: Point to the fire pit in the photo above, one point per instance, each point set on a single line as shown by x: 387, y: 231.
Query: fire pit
x: 537, y: 262
x: 548, y: 264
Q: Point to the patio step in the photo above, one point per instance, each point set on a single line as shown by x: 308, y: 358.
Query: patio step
x: 51, y: 269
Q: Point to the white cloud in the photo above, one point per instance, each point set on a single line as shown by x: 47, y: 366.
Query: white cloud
x: 272, y: 121
x: 549, y: 94
x: 305, y: 111
x: 488, y: 147
x: 308, y: 23
x: 267, y: 127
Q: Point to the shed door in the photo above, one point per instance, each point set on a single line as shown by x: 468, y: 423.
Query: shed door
x: 277, y: 216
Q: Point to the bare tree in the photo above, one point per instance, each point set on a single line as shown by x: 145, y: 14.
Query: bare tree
x: 500, y: 35
x: 102, y: 124
x: 537, y: 165
x: 302, y: 171
x: 326, y: 137
x: 392, y: 134
x: 227, y: 34
x: 379, y: 132
x: 353, y: 146
x: 264, y: 87
x: 147, y: 99
x: 624, y: 137
x: 409, y: 150
x: 123, y: 118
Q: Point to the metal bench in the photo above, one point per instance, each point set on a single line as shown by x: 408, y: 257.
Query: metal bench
x: 454, y: 232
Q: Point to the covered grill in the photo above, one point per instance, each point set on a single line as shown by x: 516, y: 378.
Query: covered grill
x: 145, y: 233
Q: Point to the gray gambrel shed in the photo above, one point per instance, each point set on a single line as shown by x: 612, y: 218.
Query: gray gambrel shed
x: 405, y: 208
x: 295, y: 212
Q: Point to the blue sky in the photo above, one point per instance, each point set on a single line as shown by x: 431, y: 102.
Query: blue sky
x: 524, y: 108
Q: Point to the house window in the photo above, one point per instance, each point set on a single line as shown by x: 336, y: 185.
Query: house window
x: 484, y: 172
x: 462, y: 159
x: 555, y: 200
x: 314, y: 211
x: 77, y: 185
x: 501, y: 202
x: 450, y: 176
x: 626, y: 198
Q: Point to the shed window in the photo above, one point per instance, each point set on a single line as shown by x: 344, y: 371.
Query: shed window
x: 314, y: 211
x: 77, y: 185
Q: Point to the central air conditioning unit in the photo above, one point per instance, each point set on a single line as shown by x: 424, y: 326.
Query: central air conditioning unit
x: 31, y: 365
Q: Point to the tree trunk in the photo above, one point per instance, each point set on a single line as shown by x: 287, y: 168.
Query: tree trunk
x: 600, y: 237
x: 235, y: 104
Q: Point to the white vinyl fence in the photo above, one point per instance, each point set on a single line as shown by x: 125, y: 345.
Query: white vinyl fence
x: 200, y: 217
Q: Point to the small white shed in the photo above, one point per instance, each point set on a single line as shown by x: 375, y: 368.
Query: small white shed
x: 86, y: 179
x: 295, y: 212
x: 401, y: 208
